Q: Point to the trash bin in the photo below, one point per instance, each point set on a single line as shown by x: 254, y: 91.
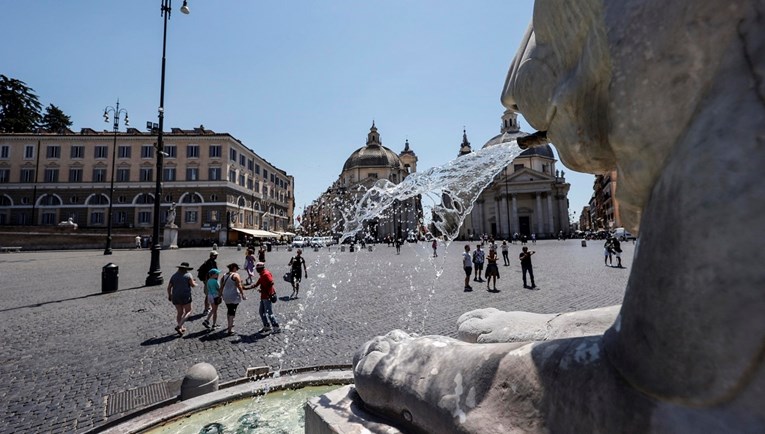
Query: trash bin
x: 584, y: 243
x: 145, y: 242
x: 342, y: 248
x: 268, y: 247
x: 110, y: 275
x: 353, y: 247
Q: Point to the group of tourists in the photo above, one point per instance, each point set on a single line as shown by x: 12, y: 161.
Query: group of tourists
x: 229, y: 288
x: 612, y: 247
x: 474, y: 263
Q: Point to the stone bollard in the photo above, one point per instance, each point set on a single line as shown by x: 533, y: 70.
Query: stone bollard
x: 342, y: 248
x: 215, y: 246
x: 238, y: 247
x: 200, y: 379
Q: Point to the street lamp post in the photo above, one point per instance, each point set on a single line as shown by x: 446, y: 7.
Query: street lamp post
x: 155, y: 273
x: 115, y: 127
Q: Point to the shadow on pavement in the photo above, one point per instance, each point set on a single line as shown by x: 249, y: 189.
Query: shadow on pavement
x: 67, y: 299
x: 160, y: 340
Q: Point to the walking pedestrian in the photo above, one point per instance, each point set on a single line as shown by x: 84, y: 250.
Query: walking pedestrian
x: 249, y: 265
x: 297, y: 273
x: 525, y: 258
x: 534, y: 238
x: 203, y: 273
x: 137, y: 241
x: 607, y: 252
x: 467, y: 264
x: 435, y: 248
x: 179, y: 293
x: 262, y: 254
x: 214, y: 299
x: 506, y: 253
x: 398, y: 245
x: 478, y: 259
x: 267, y: 293
x: 616, y: 246
x: 233, y: 294
x: 492, y: 270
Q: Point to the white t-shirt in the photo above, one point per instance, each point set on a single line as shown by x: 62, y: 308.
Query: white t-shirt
x: 467, y: 262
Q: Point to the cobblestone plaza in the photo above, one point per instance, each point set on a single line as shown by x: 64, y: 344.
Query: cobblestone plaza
x: 67, y: 347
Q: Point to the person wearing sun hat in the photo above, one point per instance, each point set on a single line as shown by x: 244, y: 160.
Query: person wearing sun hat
x: 179, y: 293
x: 212, y: 289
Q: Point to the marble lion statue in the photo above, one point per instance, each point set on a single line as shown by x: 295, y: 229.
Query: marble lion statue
x: 672, y: 95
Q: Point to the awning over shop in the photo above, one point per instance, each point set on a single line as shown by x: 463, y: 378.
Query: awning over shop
x: 257, y: 233
x: 286, y: 234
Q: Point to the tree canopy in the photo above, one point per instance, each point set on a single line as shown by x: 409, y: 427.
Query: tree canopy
x: 20, y: 109
x: 55, y: 120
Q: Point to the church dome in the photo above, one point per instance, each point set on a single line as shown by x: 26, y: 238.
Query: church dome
x: 374, y: 154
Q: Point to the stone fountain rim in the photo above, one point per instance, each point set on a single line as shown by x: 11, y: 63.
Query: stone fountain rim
x: 172, y: 409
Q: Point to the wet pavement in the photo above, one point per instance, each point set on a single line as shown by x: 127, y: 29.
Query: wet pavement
x: 68, y: 349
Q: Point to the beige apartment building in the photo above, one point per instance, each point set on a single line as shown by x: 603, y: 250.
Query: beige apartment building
x: 219, y: 185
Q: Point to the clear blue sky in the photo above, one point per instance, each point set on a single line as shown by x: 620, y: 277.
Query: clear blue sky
x: 298, y: 81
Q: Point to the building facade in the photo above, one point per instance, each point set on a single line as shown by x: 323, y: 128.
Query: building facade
x: 217, y: 183
x: 530, y: 196
x: 363, y: 168
x: 604, y: 208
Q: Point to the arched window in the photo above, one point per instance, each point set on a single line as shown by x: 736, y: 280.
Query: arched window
x: 98, y: 199
x: 144, y: 198
x: 50, y: 200
x: 192, y: 198
x: 5, y: 200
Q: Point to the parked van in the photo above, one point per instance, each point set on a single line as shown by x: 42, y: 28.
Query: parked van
x: 622, y: 234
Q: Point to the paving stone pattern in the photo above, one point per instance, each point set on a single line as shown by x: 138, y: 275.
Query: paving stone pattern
x: 66, y: 346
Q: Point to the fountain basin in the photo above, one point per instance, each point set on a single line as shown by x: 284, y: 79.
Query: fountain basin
x: 174, y: 415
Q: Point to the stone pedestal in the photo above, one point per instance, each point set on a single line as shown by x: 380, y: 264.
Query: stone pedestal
x: 342, y: 411
x: 170, y: 237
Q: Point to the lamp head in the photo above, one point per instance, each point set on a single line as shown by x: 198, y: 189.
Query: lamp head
x: 185, y: 7
x: 127, y: 120
x: 106, y: 116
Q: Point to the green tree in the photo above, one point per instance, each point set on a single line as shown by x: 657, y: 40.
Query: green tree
x: 19, y: 106
x: 55, y: 120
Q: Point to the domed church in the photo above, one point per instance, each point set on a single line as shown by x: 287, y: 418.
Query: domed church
x: 528, y: 197
x: 363, y: 168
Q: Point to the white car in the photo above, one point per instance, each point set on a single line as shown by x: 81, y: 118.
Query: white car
x: 300, y: 242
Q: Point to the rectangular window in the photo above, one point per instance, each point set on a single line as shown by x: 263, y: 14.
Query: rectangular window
x: 231, y: 176
x: 232, y: 154
x: 250, y: 165
x: 242, y: 160
x: 53, y: 151
x: 5, y: 175
x: 51, y: 175
x: 49, y: 217
x: 101, y: 152
x: 75, y: 174
x: 265, y: 174
x: 214, y: 174
x: 170, y: 150
x: 27, y: 175
x: 257, y: 169
x: 29, y: 152
x: 99, y: 175
x: 265, y: 190
x: 192, y: 151
x: 192, y: 174
x: 120, y: 217
x: 97, y: 218
x: 77, y: 152
x: 257, y: 186
x: 168, y: 174
x: 147, y: 174
x: 5, y: 152
x: 123, y: 175
x: 517, y: 167
x: 124, y: 151
x: 241, y: 180
x: 272, y: 177
x: 147, y: 151
x: 215, y: 151
x: 249, y: 183
x: 144, y: 217
x: 191, y: 216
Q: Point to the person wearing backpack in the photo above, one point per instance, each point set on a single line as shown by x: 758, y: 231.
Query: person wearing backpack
x: 202, y: 275
x: 297, y: 273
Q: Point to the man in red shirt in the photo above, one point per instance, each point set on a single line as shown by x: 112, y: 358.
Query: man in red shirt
x: 265, y: 285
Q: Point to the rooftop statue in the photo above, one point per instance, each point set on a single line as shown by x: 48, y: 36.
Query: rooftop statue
x: 671, y: 95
